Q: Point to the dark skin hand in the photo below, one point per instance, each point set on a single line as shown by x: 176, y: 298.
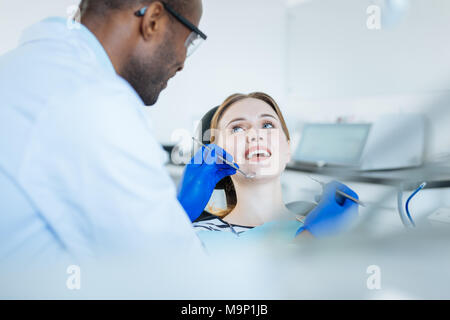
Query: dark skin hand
x: 146, y: 51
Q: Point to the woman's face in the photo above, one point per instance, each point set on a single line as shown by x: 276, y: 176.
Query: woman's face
x: 251, y: 132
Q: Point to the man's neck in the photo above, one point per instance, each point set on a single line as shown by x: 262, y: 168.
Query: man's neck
x: 112, y: 37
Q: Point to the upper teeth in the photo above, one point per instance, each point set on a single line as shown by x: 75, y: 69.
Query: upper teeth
x: 264, y: 153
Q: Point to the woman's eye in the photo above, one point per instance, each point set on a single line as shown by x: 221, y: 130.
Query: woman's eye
x: 268, y: 125
x: 237, y: 129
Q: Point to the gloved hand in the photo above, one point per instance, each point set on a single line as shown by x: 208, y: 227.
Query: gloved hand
x: 333, y: 214
x: 200, y: 178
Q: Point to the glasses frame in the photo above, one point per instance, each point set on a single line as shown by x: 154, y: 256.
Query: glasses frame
x: 179, y: 17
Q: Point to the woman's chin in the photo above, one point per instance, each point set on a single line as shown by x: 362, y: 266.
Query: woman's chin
x: 261, y: 172
x: 261, y: 168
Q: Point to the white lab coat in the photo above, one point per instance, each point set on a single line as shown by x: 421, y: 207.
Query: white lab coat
x: 75, y: 136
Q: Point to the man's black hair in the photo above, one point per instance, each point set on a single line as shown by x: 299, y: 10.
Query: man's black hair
x: 100, y: 7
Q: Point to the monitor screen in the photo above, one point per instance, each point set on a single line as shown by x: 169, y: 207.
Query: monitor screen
x: 338, y: 144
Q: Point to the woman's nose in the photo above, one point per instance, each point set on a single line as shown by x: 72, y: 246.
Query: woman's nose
x: 254, y: 135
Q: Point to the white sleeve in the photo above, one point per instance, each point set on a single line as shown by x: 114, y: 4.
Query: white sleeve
x: 95, y: 170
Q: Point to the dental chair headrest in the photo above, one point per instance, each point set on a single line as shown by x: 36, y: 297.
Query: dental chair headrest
x: 203, y: 134
x: 205, y: 125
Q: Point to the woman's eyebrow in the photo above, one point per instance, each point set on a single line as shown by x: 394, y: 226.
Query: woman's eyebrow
x: 268, y: 115
x: 236, y: 120
x: 243, y: 119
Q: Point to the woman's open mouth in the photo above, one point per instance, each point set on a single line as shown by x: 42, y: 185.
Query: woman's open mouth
x: 257, y: 154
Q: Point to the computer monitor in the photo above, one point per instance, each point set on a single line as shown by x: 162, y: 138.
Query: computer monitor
x: 335, y: 144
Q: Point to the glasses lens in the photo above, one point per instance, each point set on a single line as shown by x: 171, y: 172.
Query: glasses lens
x: 192, y: 43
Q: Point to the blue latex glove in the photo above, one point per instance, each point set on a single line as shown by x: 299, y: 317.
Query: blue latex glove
x: 200, y: 178
x: 333, y: 214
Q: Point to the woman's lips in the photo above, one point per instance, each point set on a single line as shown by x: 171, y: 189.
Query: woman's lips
x: 257, y: 154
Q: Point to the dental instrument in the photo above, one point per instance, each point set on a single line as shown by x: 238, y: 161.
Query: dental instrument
x: 248, y: 176
x: 423, y: 185
x: 362, y: 204
x: 300, y: 219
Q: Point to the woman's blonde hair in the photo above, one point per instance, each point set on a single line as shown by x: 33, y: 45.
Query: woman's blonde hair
x: 230, y: 191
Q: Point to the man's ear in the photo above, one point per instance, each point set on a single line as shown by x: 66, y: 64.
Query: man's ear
x: 154, y: 20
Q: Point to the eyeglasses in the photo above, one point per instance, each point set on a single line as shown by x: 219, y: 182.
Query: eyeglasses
x: 195, y: 38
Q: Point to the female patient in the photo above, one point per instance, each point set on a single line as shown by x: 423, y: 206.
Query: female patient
x: 252, y: 129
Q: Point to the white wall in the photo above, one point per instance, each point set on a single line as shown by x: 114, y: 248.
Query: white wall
x: 17, y: 15
x: 332, y: 53
x: 338, y: 68
x: 245, y: 52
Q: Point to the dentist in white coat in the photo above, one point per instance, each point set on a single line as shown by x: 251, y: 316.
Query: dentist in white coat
x: 81, y: 172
